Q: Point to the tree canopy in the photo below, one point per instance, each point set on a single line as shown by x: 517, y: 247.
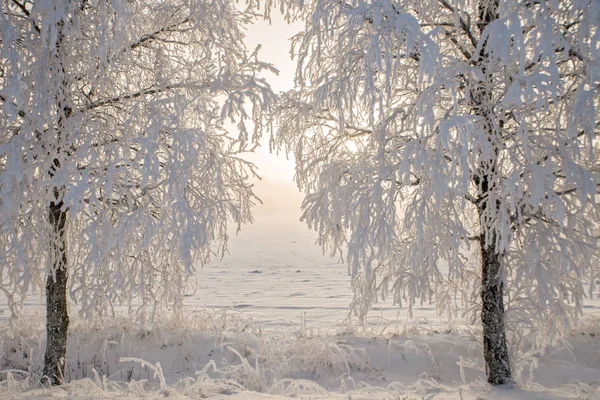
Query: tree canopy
x: 423, y: 129
x: 115, y: 111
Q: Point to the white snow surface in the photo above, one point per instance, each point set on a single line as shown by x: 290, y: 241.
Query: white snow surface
x: 269, y: 321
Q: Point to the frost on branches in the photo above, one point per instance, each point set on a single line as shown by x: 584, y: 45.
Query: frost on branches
x: 425, y: 129
x: 115, y: 168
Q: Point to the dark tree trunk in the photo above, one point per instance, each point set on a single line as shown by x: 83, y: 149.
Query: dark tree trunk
x: 57, y: 318
x: 495, y: 350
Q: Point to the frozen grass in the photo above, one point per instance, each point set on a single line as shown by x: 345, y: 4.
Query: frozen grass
x: 219, y: 353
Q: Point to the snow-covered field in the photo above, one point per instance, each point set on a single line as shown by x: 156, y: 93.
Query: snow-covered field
x: 270, y: 321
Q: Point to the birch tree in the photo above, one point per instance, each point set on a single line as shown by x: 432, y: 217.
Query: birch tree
x: 117, y: 177
x: 422, y: 129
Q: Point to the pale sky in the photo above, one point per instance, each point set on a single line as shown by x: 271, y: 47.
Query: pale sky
x: 277, y: 188
x: 274, y: 39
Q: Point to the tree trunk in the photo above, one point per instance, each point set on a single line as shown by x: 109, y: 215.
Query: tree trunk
x: 57, y: 318
x: 495, y: 350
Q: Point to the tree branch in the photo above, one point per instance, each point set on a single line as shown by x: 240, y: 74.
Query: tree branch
x: 140, y: 93
x: 466, y: 53
x: 152, y: 36
x: 463, y: 24
x: 28, y: 14
x: 471, y: 198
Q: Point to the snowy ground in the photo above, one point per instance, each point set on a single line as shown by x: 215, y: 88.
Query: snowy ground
x: 220, y: 355
x: 269, y: 321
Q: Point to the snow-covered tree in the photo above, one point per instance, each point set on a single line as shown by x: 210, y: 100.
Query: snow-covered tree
x: 117, y: 177
x: 422, y: 129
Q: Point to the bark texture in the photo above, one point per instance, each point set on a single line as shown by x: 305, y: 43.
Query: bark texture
x: 57, y: 318
x: 495, y: 349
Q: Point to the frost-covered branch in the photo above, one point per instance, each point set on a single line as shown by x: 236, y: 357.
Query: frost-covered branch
x: 126, y: 143
x: 492, y: 107
x: 154, y: 35
x: 25, y: 11
x: 144, y: 92
x: 465, y: 25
